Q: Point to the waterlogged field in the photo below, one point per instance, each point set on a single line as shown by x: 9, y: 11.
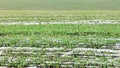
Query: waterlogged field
x: 63, y: 44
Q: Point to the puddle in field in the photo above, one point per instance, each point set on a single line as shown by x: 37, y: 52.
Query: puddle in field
x: 117, y: 46
x: 76, y: 22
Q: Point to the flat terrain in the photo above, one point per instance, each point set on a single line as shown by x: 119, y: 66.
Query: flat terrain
x: 59, y: 4
x: 57, y: 16
x: 60, y: 33
x: 66, y: 35
x: 60, y: 45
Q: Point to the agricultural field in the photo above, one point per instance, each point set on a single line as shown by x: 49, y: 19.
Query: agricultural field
x: 59, y: 5
x: 53, y: 39
x: 59, y: 34
x: 57, y: 16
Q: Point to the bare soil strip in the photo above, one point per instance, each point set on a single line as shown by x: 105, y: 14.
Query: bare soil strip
x: 76, y: 22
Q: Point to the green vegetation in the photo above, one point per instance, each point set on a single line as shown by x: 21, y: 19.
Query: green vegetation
x: 24, y: 57
x: 57, y: 16
x: 65, y: 37
x: 56, y: 45
x: 59, y: 4
x: 58, y: 35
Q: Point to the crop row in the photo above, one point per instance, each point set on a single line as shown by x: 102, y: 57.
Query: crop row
x: 32, y: 56
x: 83, y: 35
x: 57, y: 16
